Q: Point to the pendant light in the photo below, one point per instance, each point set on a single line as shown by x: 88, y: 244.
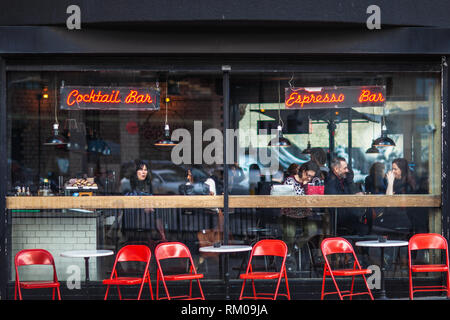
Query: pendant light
x: 384, y: 140
x: 280, y: 140
x: 308, y: 147
x: 56, y: 139
x: 373, y: 149
x: 166, y: 140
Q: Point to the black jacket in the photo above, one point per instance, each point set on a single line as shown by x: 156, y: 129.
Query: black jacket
x: 334, y: 185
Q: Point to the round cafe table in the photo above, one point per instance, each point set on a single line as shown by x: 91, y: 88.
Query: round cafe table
x: 382, y: 245
x: 86, y: 254
x: 226, y: 249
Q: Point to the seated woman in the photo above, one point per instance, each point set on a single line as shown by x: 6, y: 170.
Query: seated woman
x: 193, y: 186
x: 300, y: 176
x: 375, y: 182
x: 140, y: 182
x: 139, y: 221
x: 319, y: 156
x: 294, y: 218
x: 400, y: 180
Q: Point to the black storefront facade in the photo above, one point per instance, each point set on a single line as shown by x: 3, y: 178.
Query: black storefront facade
x: 233, y: 68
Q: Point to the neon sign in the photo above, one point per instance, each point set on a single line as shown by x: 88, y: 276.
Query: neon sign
x: 108, y: 98
x: 335, y: 97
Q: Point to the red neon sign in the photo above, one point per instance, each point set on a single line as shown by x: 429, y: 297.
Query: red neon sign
x: 296, y: 98
x: 369, y: 96
x: 109, y: 98
x: 75, y: 96
x: 334, y: 97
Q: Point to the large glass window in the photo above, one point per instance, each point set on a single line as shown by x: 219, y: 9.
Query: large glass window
x: 105, y: 146
x: 409, y: 116
x: 102, y: 150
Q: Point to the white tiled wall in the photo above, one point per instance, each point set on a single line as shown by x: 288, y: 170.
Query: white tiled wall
x: 55, y: 234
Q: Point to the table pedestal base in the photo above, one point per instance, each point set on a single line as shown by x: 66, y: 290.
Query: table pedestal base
x: 86, y: 268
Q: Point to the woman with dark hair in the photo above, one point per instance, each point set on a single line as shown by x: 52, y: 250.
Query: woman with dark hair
x: 139, y: 220
x: 375, y: 182
x: 140, y: 182
x: 400, y: 180
x: 294, y: 218
x: 194, y: 185
x: 300, y: 176
x: 319, y: 156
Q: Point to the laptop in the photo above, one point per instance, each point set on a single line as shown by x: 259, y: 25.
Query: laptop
x: 282, y: 190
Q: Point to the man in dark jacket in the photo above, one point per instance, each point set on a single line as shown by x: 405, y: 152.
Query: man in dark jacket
x: 340, y: 181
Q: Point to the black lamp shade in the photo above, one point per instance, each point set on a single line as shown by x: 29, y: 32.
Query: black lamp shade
x: 165, y: 141
x: 384, y: 141
x: 280, y: 142
x: 56, y: 139
x: 372, y: 149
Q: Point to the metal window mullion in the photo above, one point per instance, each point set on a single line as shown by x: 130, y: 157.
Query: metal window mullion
x: 4, y: 265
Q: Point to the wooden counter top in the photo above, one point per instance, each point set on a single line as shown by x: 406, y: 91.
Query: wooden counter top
x: 176, y: 201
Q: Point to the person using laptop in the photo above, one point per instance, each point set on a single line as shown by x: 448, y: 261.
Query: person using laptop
x: 294, y: 221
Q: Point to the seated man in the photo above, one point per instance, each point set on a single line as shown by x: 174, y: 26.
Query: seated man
x: 340, y: 181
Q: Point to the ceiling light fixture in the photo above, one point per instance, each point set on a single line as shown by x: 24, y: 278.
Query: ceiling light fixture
x: 279, y: 140
x: 166, y: 140
x: 56, y: 139
x: 384, y: 140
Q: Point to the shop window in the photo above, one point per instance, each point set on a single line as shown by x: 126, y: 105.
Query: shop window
x: 105, y: 144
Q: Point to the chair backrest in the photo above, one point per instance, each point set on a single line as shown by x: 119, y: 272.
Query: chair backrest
x: 134, y: 252
x: 335, y: 245
x: 29, y: 257
x: 270, y: 247
x: 427, y: 241
x: 168, y: 250
x: 33, y: 257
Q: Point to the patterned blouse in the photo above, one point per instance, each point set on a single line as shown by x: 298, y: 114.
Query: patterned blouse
x: 300, y: 190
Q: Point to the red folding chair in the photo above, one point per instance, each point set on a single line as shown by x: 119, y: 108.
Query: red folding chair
x: 130, y: 253
x: 341, y: 246
x: 35, y: 257
x: 267, y: 247
x: 423, y: 241
x: 176, y: 250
